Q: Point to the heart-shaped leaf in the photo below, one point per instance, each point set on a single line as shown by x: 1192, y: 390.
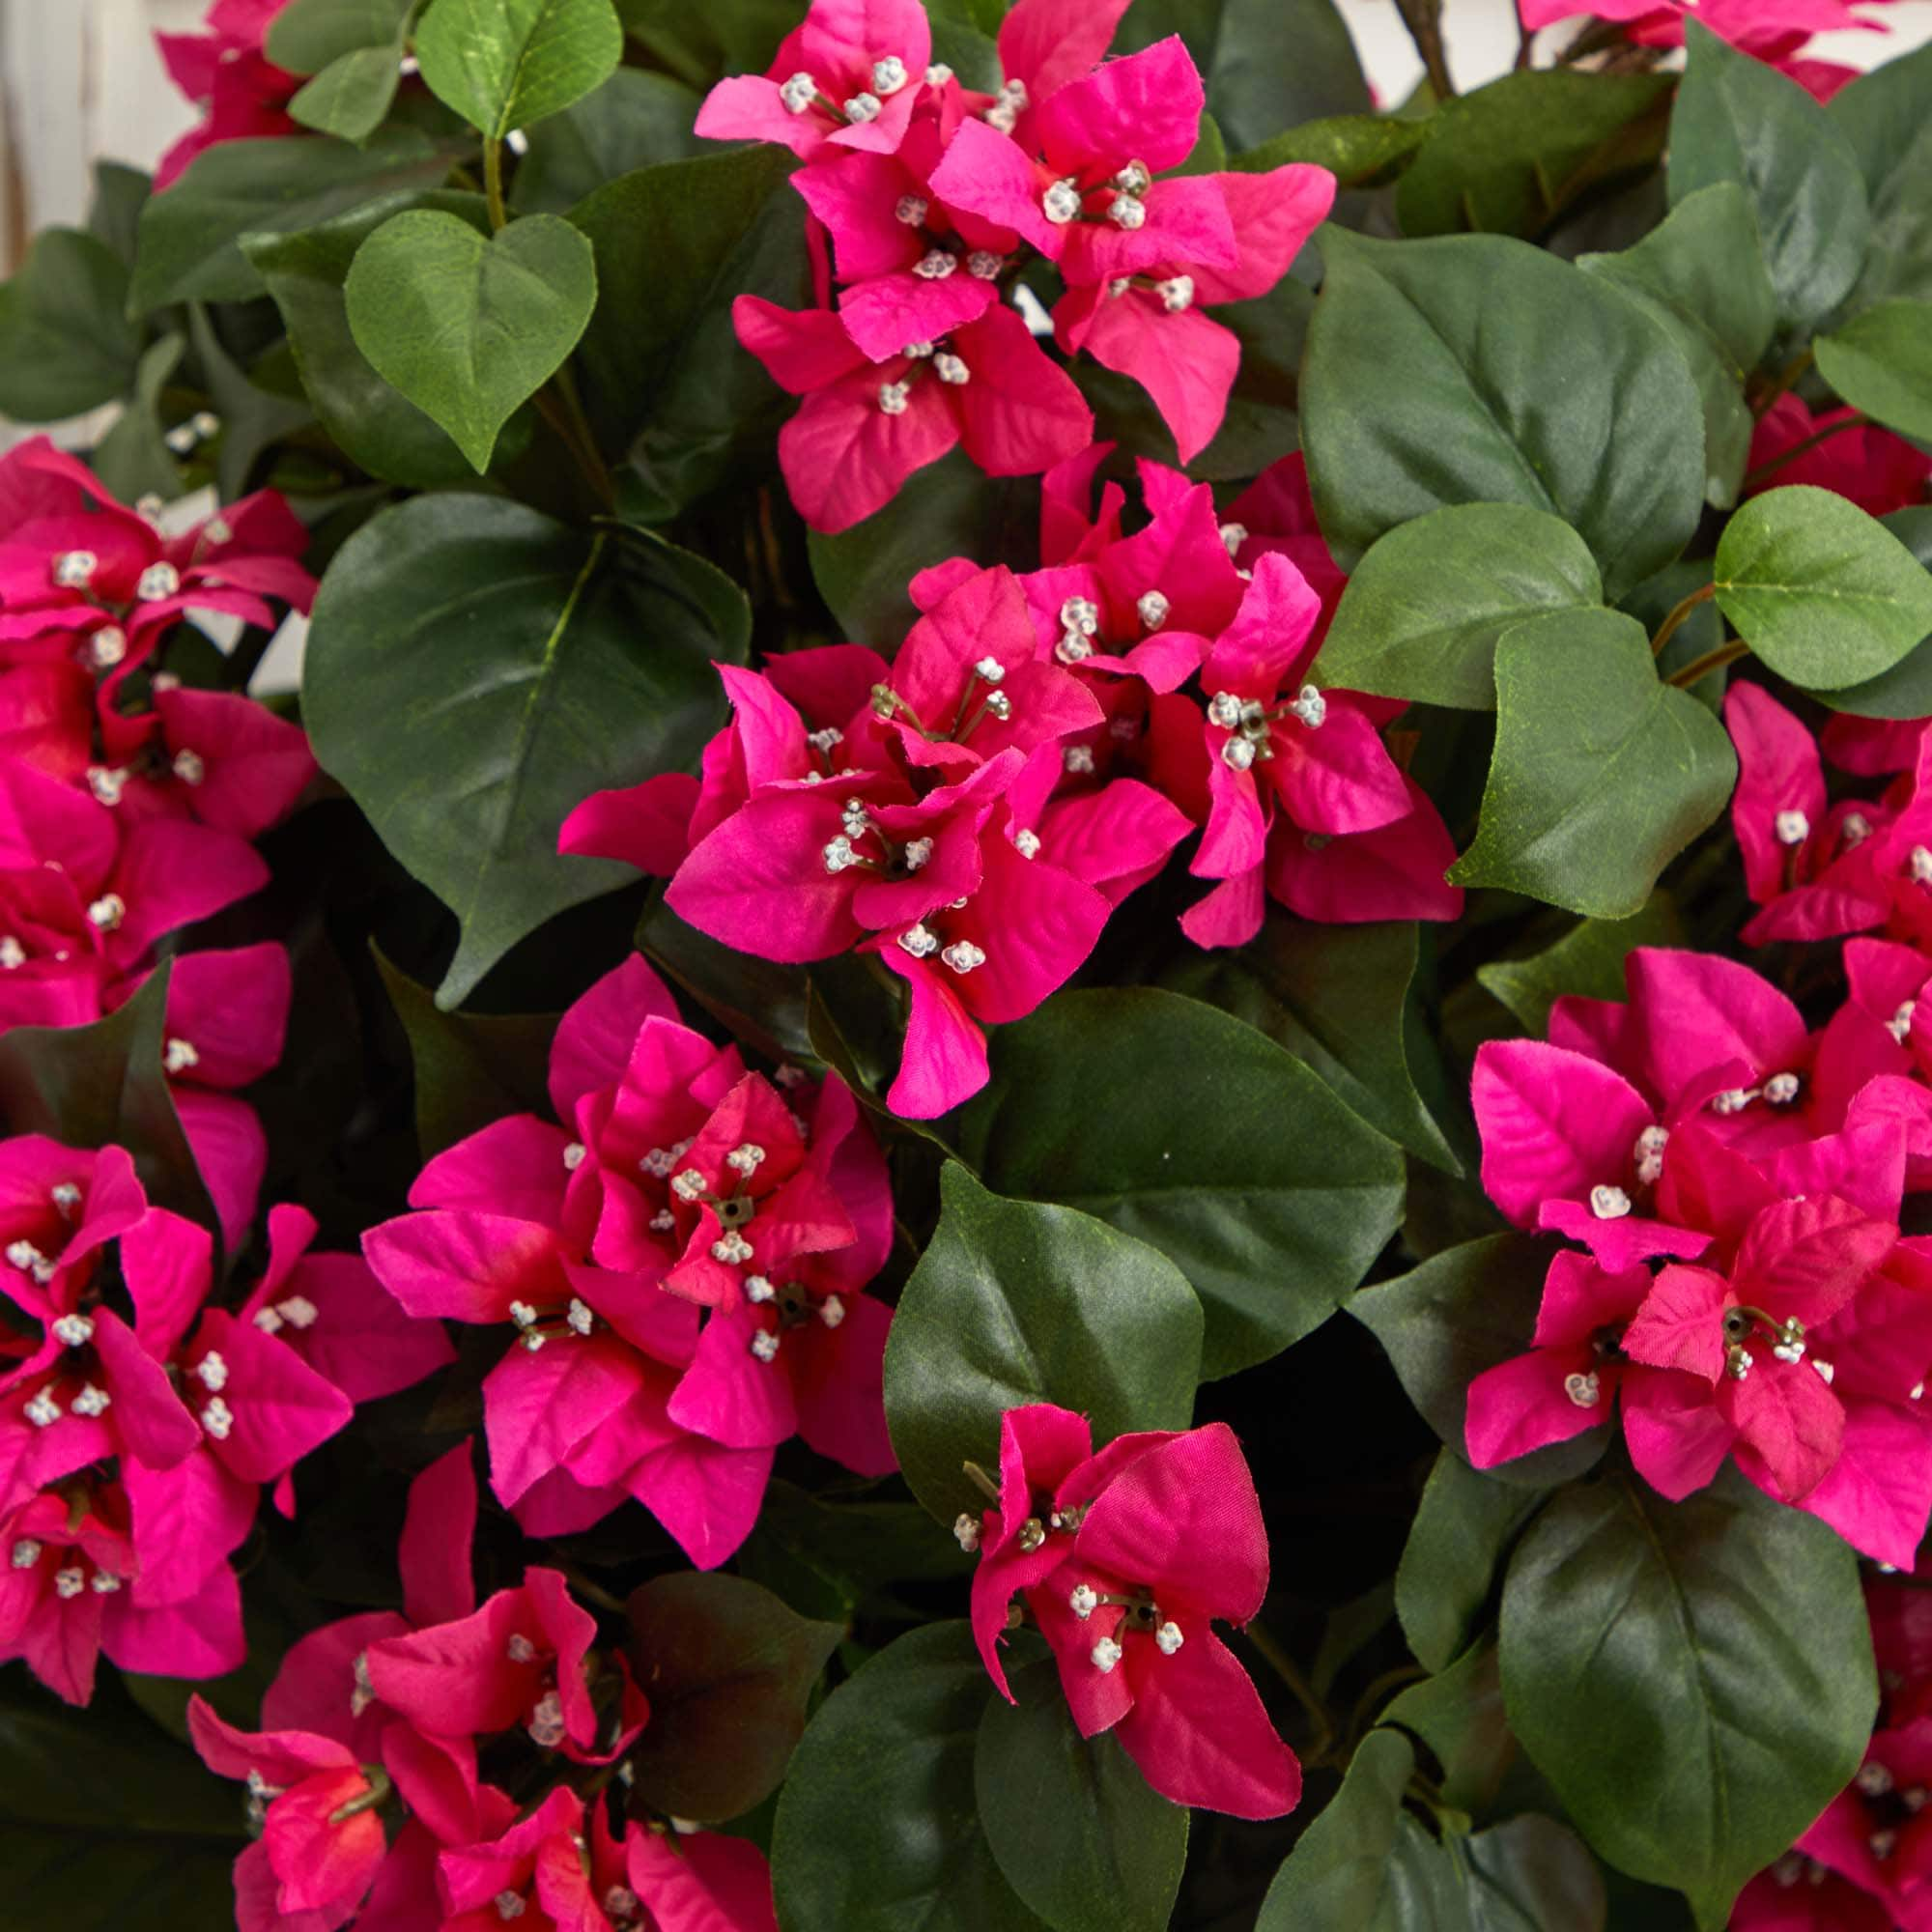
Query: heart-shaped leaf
x: 469, y: 327
x: 1015, y: 1302
x: 1825, y: 595
x: 1602, y: 774
x: 507, y: 64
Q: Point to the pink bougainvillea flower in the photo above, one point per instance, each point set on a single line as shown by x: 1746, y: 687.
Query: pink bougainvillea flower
x: 1799, y: 1894
x: 847, y: 77
x: 1124, y: 1559
x: 1568, y: 1380
x: 1771, y: 29
x: 534, y: 1871
x: 866, y: 426
x: 1874, y: 1836
x: 695, y: 1882
x: 1874, y: 469
x: 1045, y: 45
x: 224, y: 71
x: 1277, y: 512
x: 321, y: 1835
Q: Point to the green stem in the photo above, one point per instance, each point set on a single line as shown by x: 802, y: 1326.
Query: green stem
x: 1711, y: 661
x: 492, y: 184
x: 1667, y: 630
x: 1792, y: 372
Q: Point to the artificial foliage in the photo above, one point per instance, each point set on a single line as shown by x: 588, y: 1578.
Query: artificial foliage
x: 1068, y: 1064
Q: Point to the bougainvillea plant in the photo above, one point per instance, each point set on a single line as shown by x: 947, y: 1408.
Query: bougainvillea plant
x: 1068, y: 1065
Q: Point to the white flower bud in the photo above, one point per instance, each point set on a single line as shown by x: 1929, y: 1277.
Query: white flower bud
x: 950, y: 368
x: 158, y: 581
x: 1152, y: 608
x: 1176, y: 293
x: 964, y: 1526
x: 894, y: 398
x: 798, y: 93
x: 1608, y: 1204
x: 962, y: 955
x: 919, y: 940
x: 1061, y: 203
x: 1105, y: 1655
x: 889, y: 76
x: 863, y: 107
x: 935, y: 265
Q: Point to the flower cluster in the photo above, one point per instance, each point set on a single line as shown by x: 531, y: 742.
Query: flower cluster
x: 1123, y: 1561
x: 935, y: 198
x: 243, y: 94
x: 682, y: 1265
x: 140, y: 1415
x: 376, y: 1719
x: 1735, y: 1180
x: 128, y: 801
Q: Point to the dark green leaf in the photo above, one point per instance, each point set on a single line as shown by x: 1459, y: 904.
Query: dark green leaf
x: 190, y: 237
x: 133, y: 460
x: 1905, y: 690
x: 1513, y: 155
x: 1424, y: 610
x: 635, y: 119
x: 1015, y: 1302
x: 1074, y: 1825
x: 1881, y: 362
x: 763, y: 1003
x: 120, y: 193
x: 950, y: 510
x: 509, y: 63
x: 66, y: 343
x: 1485, y: 330
x: 1359, y: 150
x: 701, y: 44
x: 471, y: 1068
x: 1466, y: 1521
x: 252, y: 419
x: 1335, y: 997
x: 1701, y: 275
x: 308, y: 36
x: 102, y: 1085
x: 377, y: 426
x: 476, y: 670
x: 1461, y: 1311
x: 1738, y: 120
x: 469, y: 326
x: 674, y: 245
x: 878, y: 1826
x: 1602, y: 774
x: 1886, y: 116
x: 1262, y: 1187
x: 728, y: 1668
x: 1534, y: 1875
x: 1588, y: 959
x: 1694, y: 1678
x: 1459, y: 1715
x: 1824, y: 594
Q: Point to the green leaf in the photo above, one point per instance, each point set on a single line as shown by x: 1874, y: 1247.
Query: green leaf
x: 252, y: 419
x: 1512, y: 156
x: 466, y: 327
x: 1459, y: 1715
x: 729, y: 1669
x: 759, y: 1000
x: 192, y: 236
x: 103, y: 1807
x: 701, y: 44
x: 1824, y: 594
x: 1268, y: 64
x: 1424, y: 610
x: 669, y: 243
x: 1335, y: 997
x: 1359, y: 150
x: 1364, y: 1864
x: 351, y: 98
x: 1881, y: 362
x: 375, y: 424
x: 1905, y: 690
x: 309, y: 35
x: 950, y: 510
x: 1601, y: 773
x: 133, y: 460
x: 1461, y: 1311
x: 635, y: 119
x: 102, y: 1085
x: 1738, y: 120
x: 1887, y: 117
x: 471, y: 1068
x: 120, y: 193
x: 1486, y: 330
x: 1588, y: 959
x: 1074, y: 1825
x: 878, y: 1826
x: 1694, y: 1678
x: 66, y: 343
x: 509, y: 63
x: 1534, y: 1875
x: 474, y: 670
x: 1015, y: 1302
x: 1466, y: 1521
x: 1701, y: 275
x: 1262, y: 1187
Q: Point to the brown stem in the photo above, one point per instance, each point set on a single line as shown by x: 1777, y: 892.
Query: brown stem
x: 1424, y: 21
x: 1716, y: 660
x: 1776, y: 462
x: 1669, y: 627
x: 1791, y: 373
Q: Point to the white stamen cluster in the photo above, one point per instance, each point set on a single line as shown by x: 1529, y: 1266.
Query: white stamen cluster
x: 938, y: 75
x: 1790, y: 1344
x: 765, y: 1345
x: 297, y: 1311
x: 573, y: 1156
x: 662, y: 1221
x: 1026, y: 844
x: 189, y: 766
x: 43, y: 1411
x: 620, y: 1902
x: 894, y: 398
x: 1128, y: 212
x: 827, y: 741
x: 211, y: 1371
x: 1007, y: 110
x: 74, y: 569
x: 103, y: 1584
x: 70, y: 1582
x: 107, y: 647
x: 1176, y: 293
x: 1061, y: 203
x: 218, y: 1418
x: 1782, y: 1089
x: 13, y: 955
x: 1738, y: 1363
x: 920, y: 940
x: 983, y: 265
x: 26, y: 1554
x: 1648, y: 1155
x: 1607, y: 1203
x: 1899, y: 1025
x: 661, y: 1162
x: 832, y: 1311
x: 1919, y: 861
x: 106, y: 783
x: 1310, y: 706
x: 1169, y: 1638
x: 935, y: 265
x: 178, y: 1056
x: 1105, y: 1655
x: 798, y: 93
x: 889, y: 76
x: 509, y: 1905
x: 107, y: 911
x: 746, y: 1158
x: 918, y: 351
x: 1084, y: 1600
x: 1854, y: 829
x: 990, y: 670
x: 66, y: 1197
x: 546, y: 1722
x: 1733, y: 1100
x: 1078, y: 759
x: 688, y: 1185
x: 962, y: 955
x: 911, y: 209
x: 915, y: 852
x: 157, y: 582
x: 1792, y: 827
x: 73, y: 1331
x: 29, y: 1260
x: 1233, y: 537
x: 520, y: 1649
x: 1000, y: 706
x: 731, y: 1248
x: 759, y: 1288
x: 91, y: 1402
x: 965, y: 1527
x: 1585, y: 1390
x: 580, y: 1315
x: 1153, y: 607
x: 863, y: 107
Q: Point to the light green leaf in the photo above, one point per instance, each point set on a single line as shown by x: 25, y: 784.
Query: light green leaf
x: 351, y: 96
x: 1881, y: 362
x: 468, y: 327
x: 308, y: 36
x: 1262, y: 1187
x: 1639, y: 1639
x: 1738, y: 120
x: 1825, y: 595
x: 1905, y: 690
x: 1424, y: 608
x: 1602, y: 774
x: 1015, y: 1302
x: 476, y: 670
x: 508, y: 64
x: 1485, y: 330
x: 1359, y: 150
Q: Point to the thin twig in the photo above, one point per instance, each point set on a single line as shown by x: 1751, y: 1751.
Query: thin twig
x: 1716, y: 660
x: 1667, y: 630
